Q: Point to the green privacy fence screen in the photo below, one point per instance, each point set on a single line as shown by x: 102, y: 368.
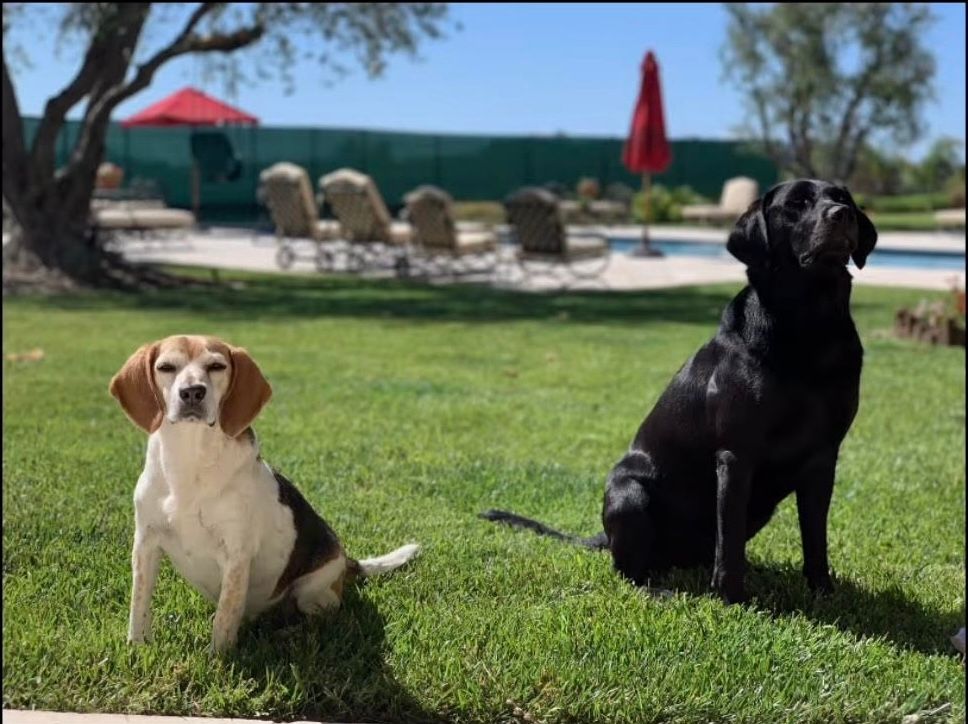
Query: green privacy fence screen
x: 474, y: 168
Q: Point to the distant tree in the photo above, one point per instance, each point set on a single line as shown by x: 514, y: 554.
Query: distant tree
x: 879, y: 173
x: 942, y: 161
x: 120, y: 54
x: 822, y: 81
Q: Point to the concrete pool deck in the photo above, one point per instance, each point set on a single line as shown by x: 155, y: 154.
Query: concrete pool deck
x: 232, y: 248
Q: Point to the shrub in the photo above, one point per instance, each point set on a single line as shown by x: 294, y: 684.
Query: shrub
x: 908, y: 203
x: 666, y: 204
x: 955, y: 189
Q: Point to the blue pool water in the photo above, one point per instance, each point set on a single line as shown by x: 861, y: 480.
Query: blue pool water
x: 880, y: 257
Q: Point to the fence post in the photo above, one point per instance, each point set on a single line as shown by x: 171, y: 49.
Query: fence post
x: 528, y: 161
x: 437, y: 179
x: 313, y: 161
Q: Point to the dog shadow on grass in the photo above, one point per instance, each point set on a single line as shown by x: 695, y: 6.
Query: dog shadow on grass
x: 331, y: 667
x: 889, y: 614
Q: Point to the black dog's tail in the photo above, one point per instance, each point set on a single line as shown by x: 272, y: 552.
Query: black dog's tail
x: 596, y: 542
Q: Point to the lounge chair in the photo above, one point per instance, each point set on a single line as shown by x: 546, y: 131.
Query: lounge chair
x: 364, y: 219
x: 438, y: 238
x: 288, y: 195
x: 148, y: 219
x: 738, y: 194
x: 537, y: 226
x: 950, y: 218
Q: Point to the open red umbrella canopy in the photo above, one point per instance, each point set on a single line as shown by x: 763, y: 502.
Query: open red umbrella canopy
x: 189, y: 107
x: 647, y: 149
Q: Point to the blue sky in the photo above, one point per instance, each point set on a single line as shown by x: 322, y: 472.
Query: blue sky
x: 527, y: 68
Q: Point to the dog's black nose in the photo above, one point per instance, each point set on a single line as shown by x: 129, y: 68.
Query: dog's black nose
x: 838, y: 212
x: 192, y: 394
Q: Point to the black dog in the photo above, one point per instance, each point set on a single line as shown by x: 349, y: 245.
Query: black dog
x: 757, y: 413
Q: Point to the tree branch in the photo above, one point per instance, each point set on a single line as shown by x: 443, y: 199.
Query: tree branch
x: 850, y: 157
x: 103, y: 46
x: 99, y: 111
x: 215, y: 43
x: 860, y: 91
x: 14, y: 150
x: 767, y: 138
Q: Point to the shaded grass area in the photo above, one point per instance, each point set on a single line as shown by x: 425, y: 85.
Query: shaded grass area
x: 402, y: 411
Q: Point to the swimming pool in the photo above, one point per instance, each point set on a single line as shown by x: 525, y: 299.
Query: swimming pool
x: 880, y: 257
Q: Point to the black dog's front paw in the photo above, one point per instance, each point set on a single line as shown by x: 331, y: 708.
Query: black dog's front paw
x: 821, y: 583
x: 729, y: 588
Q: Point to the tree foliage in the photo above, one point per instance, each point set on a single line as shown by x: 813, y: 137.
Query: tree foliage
x: 942, y: 161
x: 824, y: 80
x: 122, y: 46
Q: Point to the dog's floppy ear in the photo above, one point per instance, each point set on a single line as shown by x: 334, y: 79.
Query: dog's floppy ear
x: 866, y: 237
x: 134, y: 387
x: 247, y: 395
x: 749, y: 239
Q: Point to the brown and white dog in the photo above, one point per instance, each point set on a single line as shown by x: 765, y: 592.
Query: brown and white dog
x: 238, y: 531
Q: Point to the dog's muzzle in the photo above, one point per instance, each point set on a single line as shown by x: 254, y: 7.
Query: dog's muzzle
x: 191, y: 404
x: 835, y: 236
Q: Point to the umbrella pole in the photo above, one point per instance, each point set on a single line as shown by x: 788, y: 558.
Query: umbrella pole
x: 196, y: 191
x: 645, y: 245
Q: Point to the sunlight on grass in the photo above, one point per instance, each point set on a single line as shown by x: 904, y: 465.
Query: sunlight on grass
x: 401, y: 411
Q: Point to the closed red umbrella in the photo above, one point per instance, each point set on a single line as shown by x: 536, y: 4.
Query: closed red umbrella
x: 647, y: 149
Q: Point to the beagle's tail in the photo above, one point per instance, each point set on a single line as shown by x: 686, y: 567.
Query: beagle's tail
x: 385, y: 563
x: 596, y: 542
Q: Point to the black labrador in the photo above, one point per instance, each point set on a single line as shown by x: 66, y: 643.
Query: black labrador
x: 757, y: 413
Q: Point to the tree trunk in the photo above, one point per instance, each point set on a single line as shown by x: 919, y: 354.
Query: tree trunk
x: 53, y: 229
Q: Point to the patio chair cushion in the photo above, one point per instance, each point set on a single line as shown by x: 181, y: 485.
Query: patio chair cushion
x: 127, y: 204
x: 585, y: 247
x: 289, y: 196
x: 400, y: 232
x: 135, y: 219
x: 950, y: 217
x: 737, y: 195
x: 328, y: 230
x: 475, y: 242
x: 472, y: 226
x: 604, y: 207
x: 576, y: 248
x: 703, y: 211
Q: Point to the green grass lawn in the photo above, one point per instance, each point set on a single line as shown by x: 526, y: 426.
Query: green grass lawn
x: 890, y: 213
x: 906, y: 221
x: 401, y: 411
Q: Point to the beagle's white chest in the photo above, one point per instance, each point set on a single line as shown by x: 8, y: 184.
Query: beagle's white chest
x: 205, y: 523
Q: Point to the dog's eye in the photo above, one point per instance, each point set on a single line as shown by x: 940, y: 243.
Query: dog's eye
x: 216, y: 367
x: 165, y: 367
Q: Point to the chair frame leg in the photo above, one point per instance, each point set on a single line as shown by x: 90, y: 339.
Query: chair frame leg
x: 601, y: 265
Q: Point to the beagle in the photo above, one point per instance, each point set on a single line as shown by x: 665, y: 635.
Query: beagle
x: 237, y: 530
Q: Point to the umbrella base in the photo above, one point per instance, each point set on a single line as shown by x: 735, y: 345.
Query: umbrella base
x: 646, y: 250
